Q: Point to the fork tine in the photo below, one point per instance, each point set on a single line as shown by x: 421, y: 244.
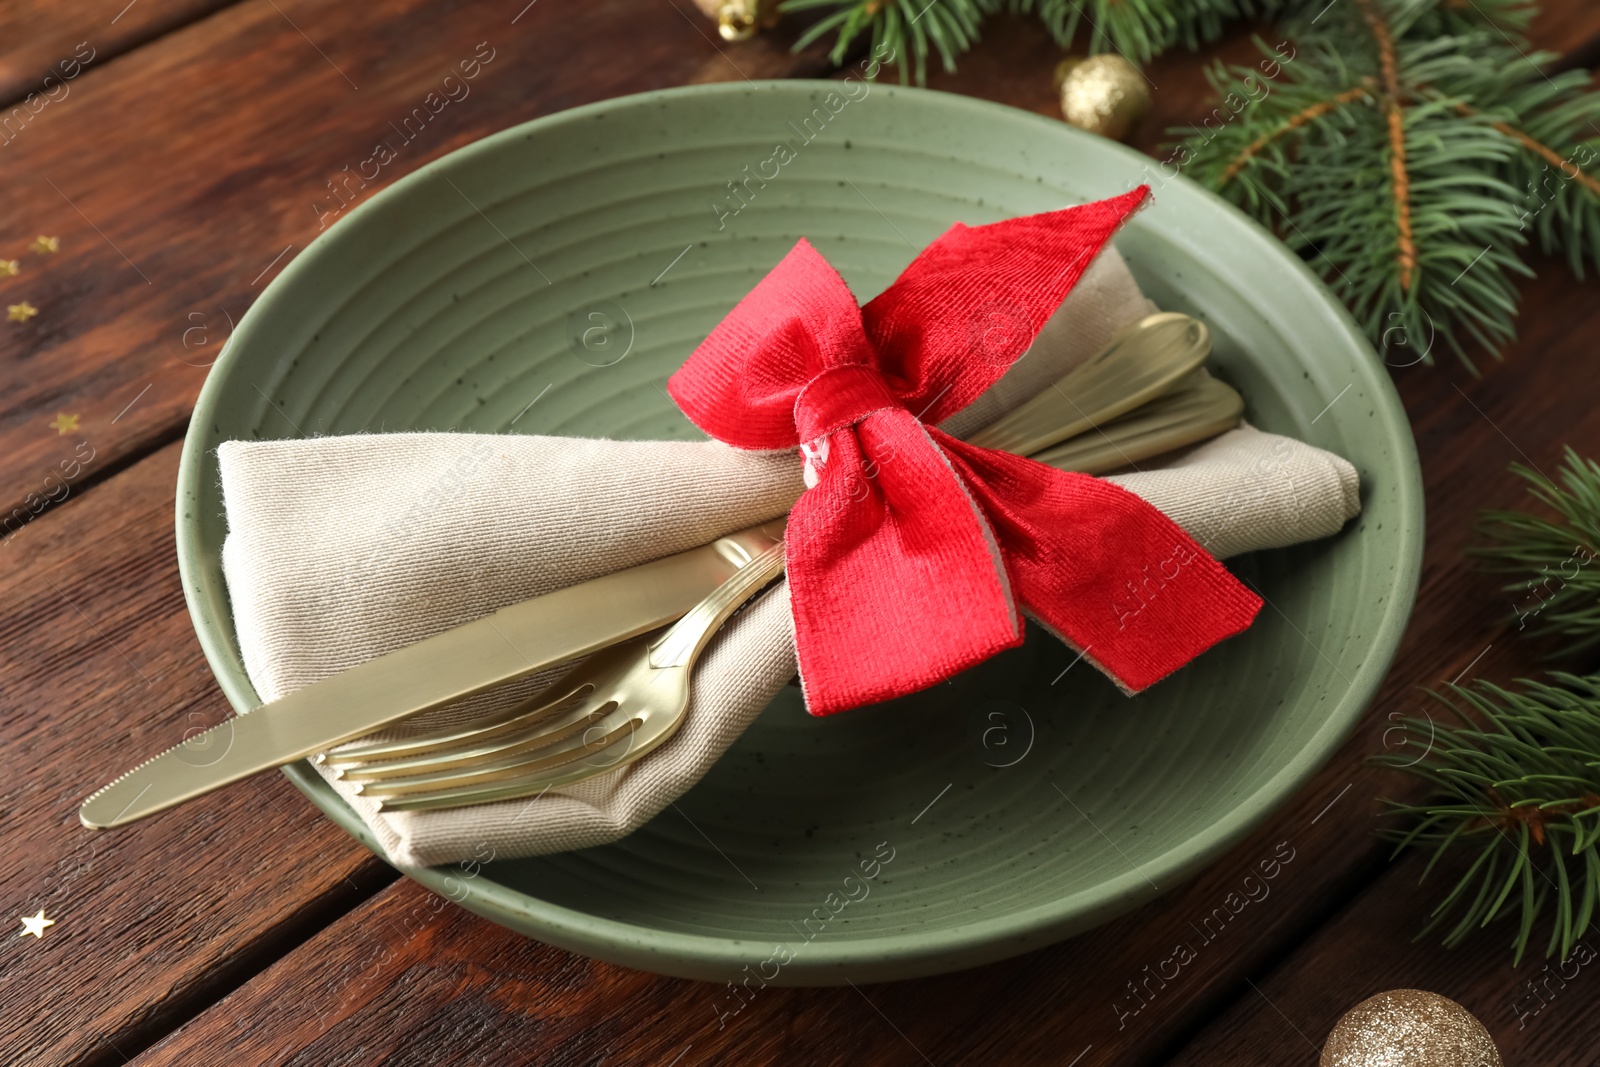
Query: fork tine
x: 542, y: 735
x: 521, y: 768
x: 536, y: 784
x: 519, y: 716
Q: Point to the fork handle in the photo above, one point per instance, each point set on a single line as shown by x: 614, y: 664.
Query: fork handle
x: 679, y: 646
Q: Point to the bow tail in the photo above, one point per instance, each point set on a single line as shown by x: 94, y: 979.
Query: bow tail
x: 888, y: 515
x: 1102, y: 568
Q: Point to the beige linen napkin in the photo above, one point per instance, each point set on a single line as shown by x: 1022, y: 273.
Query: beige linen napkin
x: 344, y: 548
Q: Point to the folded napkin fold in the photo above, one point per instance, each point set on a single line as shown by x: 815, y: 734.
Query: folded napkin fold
x: 344, y: 548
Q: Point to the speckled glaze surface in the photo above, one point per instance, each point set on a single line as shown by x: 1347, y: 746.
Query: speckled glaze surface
x: 576, y: 260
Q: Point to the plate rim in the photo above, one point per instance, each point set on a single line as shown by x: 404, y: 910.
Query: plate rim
x: 890, y: 956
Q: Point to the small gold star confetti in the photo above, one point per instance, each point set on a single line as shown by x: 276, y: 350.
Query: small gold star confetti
x: 43, y: 244
x: 21, y: 312
x: 64, y: 424
x: 9, y: 268
x: 35, y: 924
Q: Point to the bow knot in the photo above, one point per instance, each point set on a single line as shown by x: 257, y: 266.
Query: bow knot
x: 838, y: 397
x: 917, y: 562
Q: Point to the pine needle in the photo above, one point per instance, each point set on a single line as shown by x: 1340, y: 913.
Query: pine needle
x: 1519, y: 786
x: 1555, y: 556
x: 1515, y: 773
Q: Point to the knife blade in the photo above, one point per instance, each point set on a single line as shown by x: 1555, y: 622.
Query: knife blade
x: 511, y: 643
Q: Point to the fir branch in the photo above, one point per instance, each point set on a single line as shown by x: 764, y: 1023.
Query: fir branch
x: 1414, y: 201
x: 1139, y: 30
x: 1556, y: 559
x: 1309, y: 113
x: 1542, y: 150
x: 910, y: 29
x: 1556, y: 112
x: 1400, y: 181
x: 1453, y: 16
x: 1329, y: 191
x: 1516, y: 779
x: 1522, y: 791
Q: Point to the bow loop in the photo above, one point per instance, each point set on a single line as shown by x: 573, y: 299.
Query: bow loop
x: 802, y: 319
x: 971, y: 303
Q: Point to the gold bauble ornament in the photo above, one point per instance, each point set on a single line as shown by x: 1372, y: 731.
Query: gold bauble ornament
x: 1103, y: 94
x: 1409, y: 1028
x: 738, y: 20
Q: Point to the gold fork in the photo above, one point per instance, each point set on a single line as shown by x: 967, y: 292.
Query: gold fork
x: 624, y: 702
x: 633, y: 694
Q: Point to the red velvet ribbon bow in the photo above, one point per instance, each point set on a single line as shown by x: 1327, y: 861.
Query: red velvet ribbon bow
x: 909, y: 554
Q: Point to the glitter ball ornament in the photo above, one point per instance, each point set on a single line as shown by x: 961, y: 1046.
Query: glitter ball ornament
x: 738, y: 20
x: 1103, y: 94
x: 1409, y: 1028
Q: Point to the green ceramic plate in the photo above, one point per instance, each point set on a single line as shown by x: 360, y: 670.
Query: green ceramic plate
x: 999, y: 812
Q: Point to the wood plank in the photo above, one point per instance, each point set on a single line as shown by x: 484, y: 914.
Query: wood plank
x: 473, y: 991
x: 407, y: 975
x: 181, y: 178
x: 101, y: 669
x: 1536, y: 1013
x: 43, y: 38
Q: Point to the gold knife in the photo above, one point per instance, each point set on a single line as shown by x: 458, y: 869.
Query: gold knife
x: 512, y: 643
x: 524, y: 638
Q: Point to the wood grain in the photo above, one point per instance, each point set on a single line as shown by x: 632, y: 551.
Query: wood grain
x: 1538, y: 1013
x: 199, y: 156
x: 40, y: 38
x: 102, y: 670
x: 182, y: 178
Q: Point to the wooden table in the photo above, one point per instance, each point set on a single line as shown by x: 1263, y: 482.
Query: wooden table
x: 178, y: 159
